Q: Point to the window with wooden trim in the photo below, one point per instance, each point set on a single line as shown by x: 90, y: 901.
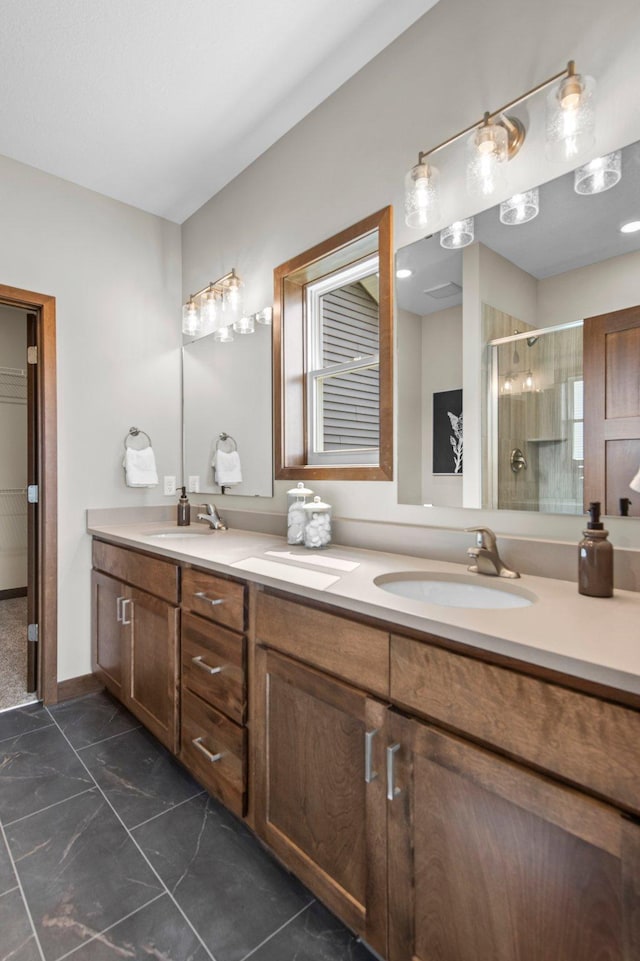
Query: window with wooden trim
x: 333, y: 357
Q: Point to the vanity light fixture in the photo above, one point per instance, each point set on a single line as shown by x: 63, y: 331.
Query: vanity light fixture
x: 245, y: 325
x: 214, y: 306
x: 497, y: 138
x: 599, y: 174
x: 265, y: 316
x: 630, y: 227
x: 520, y: 208
x: 458, y: 234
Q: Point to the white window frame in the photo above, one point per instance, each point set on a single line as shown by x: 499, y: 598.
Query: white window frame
x: 315, y: 374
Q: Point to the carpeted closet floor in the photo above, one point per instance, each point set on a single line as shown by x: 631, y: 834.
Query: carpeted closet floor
x: 13, y: 653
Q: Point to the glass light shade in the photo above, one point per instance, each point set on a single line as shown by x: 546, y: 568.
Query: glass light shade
x: 265, y: 316
x: 244, y: 325
x: 209, y: 309
x: 487, y: 149
x: 421, y: 200
x: 458, y: 234
x: 520, y: 208
x: 232, y: 296
x: 191, y: 322
x: 570, y: 118
x: 223, y: 334
x: 599, y: 174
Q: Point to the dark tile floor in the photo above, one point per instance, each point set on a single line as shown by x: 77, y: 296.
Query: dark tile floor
x: 109, y: 850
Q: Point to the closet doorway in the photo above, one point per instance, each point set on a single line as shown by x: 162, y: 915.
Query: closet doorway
x: 28, y: 494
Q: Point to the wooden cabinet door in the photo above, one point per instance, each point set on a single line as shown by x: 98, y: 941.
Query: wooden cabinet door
x: 108, y: 635
x: 320, y: 806
x: 489, y: 860
x: 152, y: 691
x: 612, y: 408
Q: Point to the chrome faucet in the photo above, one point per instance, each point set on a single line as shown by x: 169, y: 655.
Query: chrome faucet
x: 486, y: 555
x: 212, y: 517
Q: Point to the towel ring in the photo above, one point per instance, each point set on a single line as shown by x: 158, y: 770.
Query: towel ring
x: 222, y: 439
x: 134, y: 432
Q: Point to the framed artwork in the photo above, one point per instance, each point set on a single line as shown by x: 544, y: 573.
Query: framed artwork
x: 447, y: 432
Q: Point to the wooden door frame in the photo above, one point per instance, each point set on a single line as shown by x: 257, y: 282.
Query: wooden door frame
x: 44, y: 306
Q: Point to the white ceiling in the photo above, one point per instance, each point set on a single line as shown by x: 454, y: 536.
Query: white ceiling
x: 159, y: 103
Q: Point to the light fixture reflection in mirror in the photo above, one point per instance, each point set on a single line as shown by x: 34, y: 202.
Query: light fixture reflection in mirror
x: 572, y: 261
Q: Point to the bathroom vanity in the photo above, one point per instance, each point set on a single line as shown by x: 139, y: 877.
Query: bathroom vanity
x: 455, y: 784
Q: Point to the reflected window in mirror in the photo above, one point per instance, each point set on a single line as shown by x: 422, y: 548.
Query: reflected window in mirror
x: 572, y: 263
x: 333, y: 335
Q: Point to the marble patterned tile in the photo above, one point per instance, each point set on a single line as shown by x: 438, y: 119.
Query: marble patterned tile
x: 95, y: 717
x: 233, y: 892
x: 17, y: 941
x: 315, y: 935
x: 157, y: 932
x: 21, y: 720
x: 80, y: 871
x: 138, y: 775
x: 38, y: 769
x: 8, y: 878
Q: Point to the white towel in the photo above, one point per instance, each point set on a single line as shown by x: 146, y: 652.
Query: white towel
x: 635, y: 483
x: 227, y: 468
x: 140, y: 467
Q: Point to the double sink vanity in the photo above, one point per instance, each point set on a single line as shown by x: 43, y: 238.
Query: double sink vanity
x: 449, y: 761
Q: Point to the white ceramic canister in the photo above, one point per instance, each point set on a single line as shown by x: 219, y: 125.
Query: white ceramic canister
x: 296, y: 516
x: 317, y: 530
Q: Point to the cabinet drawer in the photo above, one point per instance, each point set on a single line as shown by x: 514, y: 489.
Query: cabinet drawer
x: 213, y: 660
x: 215, y: 598
x: 345, y: 648
x: 214, y: 750
x: 591, y: 742
x: 150, y: 573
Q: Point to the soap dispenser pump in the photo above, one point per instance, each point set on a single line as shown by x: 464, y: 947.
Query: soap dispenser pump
x: 184, y: 509
x: 595, y: 557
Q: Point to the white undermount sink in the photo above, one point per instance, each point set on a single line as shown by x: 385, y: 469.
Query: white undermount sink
x: 181, y: 532
x: 454, y: 590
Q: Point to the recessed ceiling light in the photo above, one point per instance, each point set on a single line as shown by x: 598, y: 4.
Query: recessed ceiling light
x: 630, y: 227
x: 403, y: 272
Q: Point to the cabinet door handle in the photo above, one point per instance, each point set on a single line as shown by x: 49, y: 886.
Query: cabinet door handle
x: 209, y: 600
x: 369, y: 774
x: 199, y: 662
x: 197, y: 743
x: 119, y: 601
x: 392, y: 790
x: 126, y: 600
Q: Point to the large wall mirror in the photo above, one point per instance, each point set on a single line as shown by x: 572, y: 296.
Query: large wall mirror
x: 226, y: 392
x: 333, y: 361
x: 537, y: 324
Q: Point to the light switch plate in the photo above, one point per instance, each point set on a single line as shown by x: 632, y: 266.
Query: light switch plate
x: 169, y: 485
x: 194, y: 483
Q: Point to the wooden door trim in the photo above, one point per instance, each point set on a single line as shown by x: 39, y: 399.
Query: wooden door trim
x: 45, y: 308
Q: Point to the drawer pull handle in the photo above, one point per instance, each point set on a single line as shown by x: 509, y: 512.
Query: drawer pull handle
x: 392, y: 790
x: 369, y: 774
x: 119, y: 601
x: 209, y: 600
x: 197, y: 743
x: 199, y: 662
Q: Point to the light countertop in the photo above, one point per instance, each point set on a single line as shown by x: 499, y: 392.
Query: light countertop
x: 597, y: 639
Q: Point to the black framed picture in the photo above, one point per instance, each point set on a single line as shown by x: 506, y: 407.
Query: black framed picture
x: 447, y: 431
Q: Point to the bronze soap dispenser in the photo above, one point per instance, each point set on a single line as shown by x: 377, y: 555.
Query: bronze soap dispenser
x: 595, y: 557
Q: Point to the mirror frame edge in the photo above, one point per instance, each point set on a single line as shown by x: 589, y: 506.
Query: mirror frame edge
x: 382, y: 221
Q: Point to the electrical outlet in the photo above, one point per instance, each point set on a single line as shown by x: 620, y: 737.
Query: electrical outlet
x: 169, y: 485
x: 194, y: 483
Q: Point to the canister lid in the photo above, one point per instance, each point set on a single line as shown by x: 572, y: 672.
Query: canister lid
x: 317, y: 505
x: 300, y: 490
